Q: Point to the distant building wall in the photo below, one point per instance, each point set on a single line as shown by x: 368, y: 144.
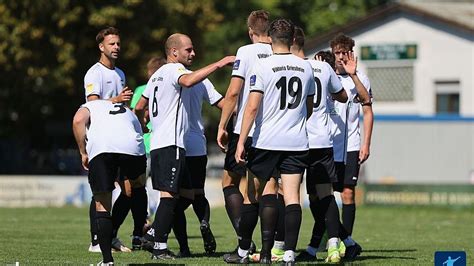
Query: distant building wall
x: 421, y: 150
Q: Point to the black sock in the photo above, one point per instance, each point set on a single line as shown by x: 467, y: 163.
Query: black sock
x: 139, y: 210
x: 104, y: 226
x: 342, y: 231
x: 348, y: 216
x: 120, y: 212
x: 248, y: 221
x: 164, y: 217
x: 332, y: 218
x: 233, y: 204
x: 201, y: 207
x: 268, y: 220
x: 319, y: 222
x: 280, y: 229
x: 93, y: 223
x: 179, y: 223
x: 293, y: 215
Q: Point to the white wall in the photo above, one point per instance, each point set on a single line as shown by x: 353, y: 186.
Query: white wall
x: 442, y: 55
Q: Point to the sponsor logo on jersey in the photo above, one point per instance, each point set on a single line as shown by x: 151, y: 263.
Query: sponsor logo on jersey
x: 253, y: 79
x: 236, y: 64
x: 182, y: 70
x: 89, y: 88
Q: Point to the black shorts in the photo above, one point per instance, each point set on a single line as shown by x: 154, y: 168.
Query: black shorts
x: 104, y: 169
x: 230, y: 164
x: 267, y: 163
x: 168, y: 169
x: 321, y: 169
x: 347, y: 174
x: 196, y: 167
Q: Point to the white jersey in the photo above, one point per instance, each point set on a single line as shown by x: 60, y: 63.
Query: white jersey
x: 319, y: 123
x: 285, y: 81
x: 113, y: 129
x: 244, y: 61
x: 167, y: 115
x: 103, y: 81
x: 194, y: 138
x: 345, y: 118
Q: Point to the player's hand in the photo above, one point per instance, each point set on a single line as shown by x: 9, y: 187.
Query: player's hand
x: 240, y: 154
x: 364, y: 154
x: 351, y: 65
x: 228, y: 60
x: 222, y: 139
x: 85, y: 161
x: 318, y: 58
x: 125, y: 95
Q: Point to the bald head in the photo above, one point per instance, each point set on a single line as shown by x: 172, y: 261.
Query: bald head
x: 175, y: 41
x: 179, y: 49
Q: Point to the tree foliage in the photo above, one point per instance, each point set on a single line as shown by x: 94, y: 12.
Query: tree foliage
x: 46, y: 48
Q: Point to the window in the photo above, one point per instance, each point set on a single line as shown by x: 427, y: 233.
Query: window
x: 447, y: 97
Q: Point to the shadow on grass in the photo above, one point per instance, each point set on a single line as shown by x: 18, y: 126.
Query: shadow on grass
x: 389, y: 250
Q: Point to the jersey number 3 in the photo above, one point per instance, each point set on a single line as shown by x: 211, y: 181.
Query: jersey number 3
x: 294, y: 88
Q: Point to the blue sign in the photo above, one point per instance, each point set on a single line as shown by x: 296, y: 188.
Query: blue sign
x: 450, y: 258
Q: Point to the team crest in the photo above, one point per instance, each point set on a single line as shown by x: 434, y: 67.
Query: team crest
x: 253, y: 79
x: 236, y: 64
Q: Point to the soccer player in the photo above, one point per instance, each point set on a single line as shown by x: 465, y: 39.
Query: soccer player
x: 196, y: 161
x: 106, y: 81
x: 280, y: 101
x: 103, y: 153
x: 349, y: 151
x: 234, y: 182
x: 169, y: 119
x: 321, y: 172
x: 137, y: 207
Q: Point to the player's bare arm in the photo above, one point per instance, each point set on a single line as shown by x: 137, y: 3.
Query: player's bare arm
x: 368, y: 126
x: 188, y: 80
x: 140, y: 112
x: 340, y: 96
x: 251, y: 109
x: 309, y: 106
x: 124, y: 96
x: 229, y: 103
x: 79, y: 123
x: 350, y: 67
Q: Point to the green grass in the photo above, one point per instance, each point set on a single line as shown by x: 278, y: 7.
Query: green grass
x: 388, y: 235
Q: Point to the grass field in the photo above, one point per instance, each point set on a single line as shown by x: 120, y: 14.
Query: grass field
x: 388, y: 235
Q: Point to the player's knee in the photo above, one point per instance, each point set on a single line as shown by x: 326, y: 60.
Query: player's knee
x: 324, y: 190
x: 348, y: 195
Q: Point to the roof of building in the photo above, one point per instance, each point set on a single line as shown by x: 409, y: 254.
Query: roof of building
x: 457, y: 14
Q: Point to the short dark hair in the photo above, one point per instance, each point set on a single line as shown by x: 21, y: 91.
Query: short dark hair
x: 327, y: 57
x: 104, y: 32
x: 258, y: 21
x: 282, y: 31
x: 299, y: 37
x: 155, y: 62
x: 342, y: 41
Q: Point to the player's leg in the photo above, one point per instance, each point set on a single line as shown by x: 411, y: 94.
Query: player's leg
x: 167, y: 172
x: 102, y: 172
x: 231, y: 182
x: 139, y: 210
x: 120, y: 210
x: 186, y: 197
x: 268, y: 212
x: 94, y: 245
x: 201, y: 204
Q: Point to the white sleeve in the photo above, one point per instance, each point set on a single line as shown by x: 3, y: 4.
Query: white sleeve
x: 240, y: 64
x: 211, y: 95
x: 93, y: 83
x: 311, y: 82
x: 176, y: 72
x: 335, y: 84
x: 148, y: 91
x: 256, y: 78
